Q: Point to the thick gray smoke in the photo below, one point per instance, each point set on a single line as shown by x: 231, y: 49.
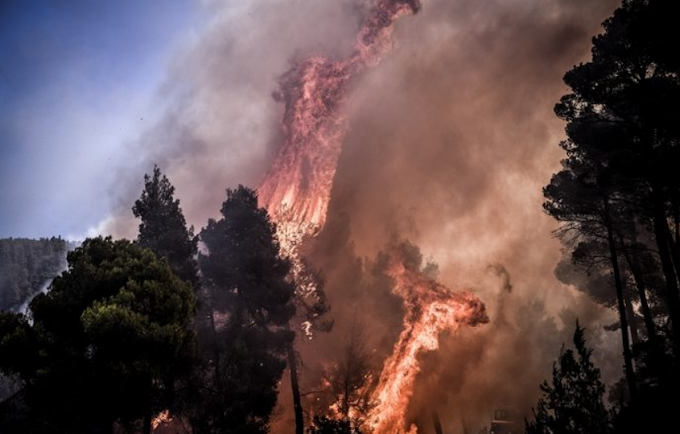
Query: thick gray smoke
x: 450, y: 141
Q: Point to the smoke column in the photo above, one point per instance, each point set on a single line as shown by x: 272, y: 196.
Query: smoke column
x: 314, y: 91
x: 297, y: 190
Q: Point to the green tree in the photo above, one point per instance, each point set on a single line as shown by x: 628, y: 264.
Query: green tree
x: 163, y: 228
x: 100, y: 342
x: 250, y: 302
x: 572, y: 402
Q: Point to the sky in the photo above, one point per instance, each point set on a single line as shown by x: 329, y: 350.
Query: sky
x: 77, y: 80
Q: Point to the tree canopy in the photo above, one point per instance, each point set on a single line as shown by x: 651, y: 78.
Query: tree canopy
x: 249, y: 299
x: 163, y: 228
x: 95, y: 347
x: 572, y: 402
x: 618, y: 194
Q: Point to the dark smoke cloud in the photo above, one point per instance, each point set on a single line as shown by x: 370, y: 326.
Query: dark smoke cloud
x: 451, y: 139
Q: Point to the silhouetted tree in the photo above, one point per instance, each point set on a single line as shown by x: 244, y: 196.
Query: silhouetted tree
x: 572, y: 401
x: 349, y: 378
x: 619, y: 188
x: 163, y: 228
x: 100, y: 341
x: 249, y: 303
x: 325, y: 425
x: 622, y: 121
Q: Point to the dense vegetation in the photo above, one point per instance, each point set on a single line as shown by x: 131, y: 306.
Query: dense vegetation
x: 26, y: 266
x: 130, y: 330
x: 618, y: 198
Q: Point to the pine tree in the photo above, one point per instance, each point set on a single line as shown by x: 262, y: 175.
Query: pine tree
x: 100, y: 341
x: 163, y: 228
x: 250, y: 302
x: 572, y: 403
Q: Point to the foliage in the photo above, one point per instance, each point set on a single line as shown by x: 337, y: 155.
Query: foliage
x: 350, y: 376
x: 249, y: 302
x: 99, y: 341
x: 618, y: 194
x: 26, y: 265
x: 325, y: 425
x: 163, y: 228
x: 572, y: 402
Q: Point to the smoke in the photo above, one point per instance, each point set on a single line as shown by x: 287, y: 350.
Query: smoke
x: 450, y: 141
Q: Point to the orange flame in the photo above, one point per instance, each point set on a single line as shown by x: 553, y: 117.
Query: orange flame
x: 296, y: 191
x: 297, y: 188
x: 431, y: 308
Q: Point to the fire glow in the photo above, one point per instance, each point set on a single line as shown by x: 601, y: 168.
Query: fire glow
x: 297, y: 189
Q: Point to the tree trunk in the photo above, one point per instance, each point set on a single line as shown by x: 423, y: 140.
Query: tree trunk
x: 146, y: 424
x: 676, y: 220
x: 627, y: 356
x: 437, y: 423
x: 215, y: 347
x: 642, y: 295
x: 297, y: 402
x: 672, y: 299
x: 632, y: 319
x: 169, y: 385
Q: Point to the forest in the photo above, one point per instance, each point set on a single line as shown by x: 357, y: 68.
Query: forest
x: 188, y: 331
x: 26, y: 265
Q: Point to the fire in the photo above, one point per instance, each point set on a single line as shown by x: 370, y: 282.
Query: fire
x: 431, y: 308
x: 296, y: 191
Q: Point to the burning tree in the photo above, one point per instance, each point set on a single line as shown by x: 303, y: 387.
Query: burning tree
x: 296, y: 191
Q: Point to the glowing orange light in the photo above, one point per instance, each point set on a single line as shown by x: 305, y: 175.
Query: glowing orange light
x: 296, y: 191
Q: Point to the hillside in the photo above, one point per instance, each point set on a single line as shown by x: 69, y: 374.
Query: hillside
x: 26, y: 266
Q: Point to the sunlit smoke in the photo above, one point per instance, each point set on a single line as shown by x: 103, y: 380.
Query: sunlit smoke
x: 297, y: 188
x: 296, y: 191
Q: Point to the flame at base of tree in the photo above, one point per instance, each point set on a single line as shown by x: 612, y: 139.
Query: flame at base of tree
x: 431, y: 308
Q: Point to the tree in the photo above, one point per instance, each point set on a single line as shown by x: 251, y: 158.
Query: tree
x: 572, y: 402
x: 163, y: 228
x: 349, y: 378
x: 325, y: 425
x: 100, y: 342
x: 618, y: 188
x: 249, y: 302
x: 622, y: 122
